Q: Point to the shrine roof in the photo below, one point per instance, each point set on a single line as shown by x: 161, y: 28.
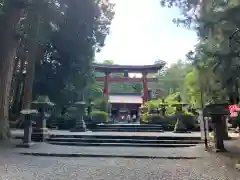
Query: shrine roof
x: 131, y: 68
x: 125, y: 99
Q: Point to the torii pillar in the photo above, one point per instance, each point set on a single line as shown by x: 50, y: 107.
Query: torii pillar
x: 106, y: 91
x: 145, y: 87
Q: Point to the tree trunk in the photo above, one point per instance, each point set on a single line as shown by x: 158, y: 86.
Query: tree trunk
x: 8, y: 46
x: 14, y: 85
x: 28, y: 87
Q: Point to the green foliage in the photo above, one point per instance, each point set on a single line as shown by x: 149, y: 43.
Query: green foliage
x: 216, y: 56
x: 156, y: 119
x: 65, y: 73
x: 101, y: 104
x: 169, y: 122
x: 186, y: 113
x: 95, y: 92
x: 109, y: 62
x: 99, y: 116
x: 171, y: 101
x: 172, y: 97
x: 171, y: 79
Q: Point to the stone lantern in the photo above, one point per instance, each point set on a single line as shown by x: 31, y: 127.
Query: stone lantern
x: 28, y: 114
x: 163, y: 106
x: 217, y: 111
x: 180, y: 126
x: 79, y: 111
x: 89, y: 108
x: 89, y: 112
x: 179, y: 105
x: 44, y: 107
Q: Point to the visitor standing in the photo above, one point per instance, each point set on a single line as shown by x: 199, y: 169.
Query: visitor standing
x: 134, y: 118
x: 128, y: 118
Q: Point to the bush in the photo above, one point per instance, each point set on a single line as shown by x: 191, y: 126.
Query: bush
x: 101, y: 104
x: 168, y: 122
x: 189, y: 120
x: 186, y: 113
x: 99, y: 116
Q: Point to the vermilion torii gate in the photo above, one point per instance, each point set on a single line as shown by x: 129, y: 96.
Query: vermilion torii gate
x: 144, y: 70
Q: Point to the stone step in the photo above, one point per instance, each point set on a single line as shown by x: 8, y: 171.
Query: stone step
x: 137, y: 137
x: 121, y: 144
x: 125, y: 130
x: 134, y: 141
x: 128, y: 128
x: 130, y: 125
x: 106, y: 127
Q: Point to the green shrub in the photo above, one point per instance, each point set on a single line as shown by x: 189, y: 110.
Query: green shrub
x: 152, y: 107
x: 101, y: 104
x: 186, y: 113
x: 168, y: 122
x: 99, y: 116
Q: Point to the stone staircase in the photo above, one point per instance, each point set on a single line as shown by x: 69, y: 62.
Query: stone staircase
x: 128, y: 128
x: 123, y: 140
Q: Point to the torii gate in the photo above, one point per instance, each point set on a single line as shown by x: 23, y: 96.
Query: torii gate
x: 126, y: 69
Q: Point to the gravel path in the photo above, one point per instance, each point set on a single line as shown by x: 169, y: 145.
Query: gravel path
x: 14, y: 166
x: 17, y: 167
x: 197, y: 151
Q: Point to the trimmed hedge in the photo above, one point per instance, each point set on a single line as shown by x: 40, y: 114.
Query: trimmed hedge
x: 99, y: 116
x: 168, y: 122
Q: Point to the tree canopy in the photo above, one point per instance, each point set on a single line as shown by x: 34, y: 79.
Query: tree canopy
x: 47, y: 48
x: 216, y: 56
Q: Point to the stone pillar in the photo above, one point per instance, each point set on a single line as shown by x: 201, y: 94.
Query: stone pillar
x: 106, y: 79
x: 145, y: 87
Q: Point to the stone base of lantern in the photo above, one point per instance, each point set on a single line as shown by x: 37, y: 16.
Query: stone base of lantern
x: 228, y: 138
x: 80, y: 127
x: 225, y: 133
x: 25, y: 145
x: 40, y: 134
x: 180, y: 127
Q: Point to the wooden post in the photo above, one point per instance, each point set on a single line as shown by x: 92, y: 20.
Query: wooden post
x: 106, y: 77
x: 145, y: 87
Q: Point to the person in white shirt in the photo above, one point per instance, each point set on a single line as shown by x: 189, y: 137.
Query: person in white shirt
x: 128, y: 118
x: 134, y: 118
